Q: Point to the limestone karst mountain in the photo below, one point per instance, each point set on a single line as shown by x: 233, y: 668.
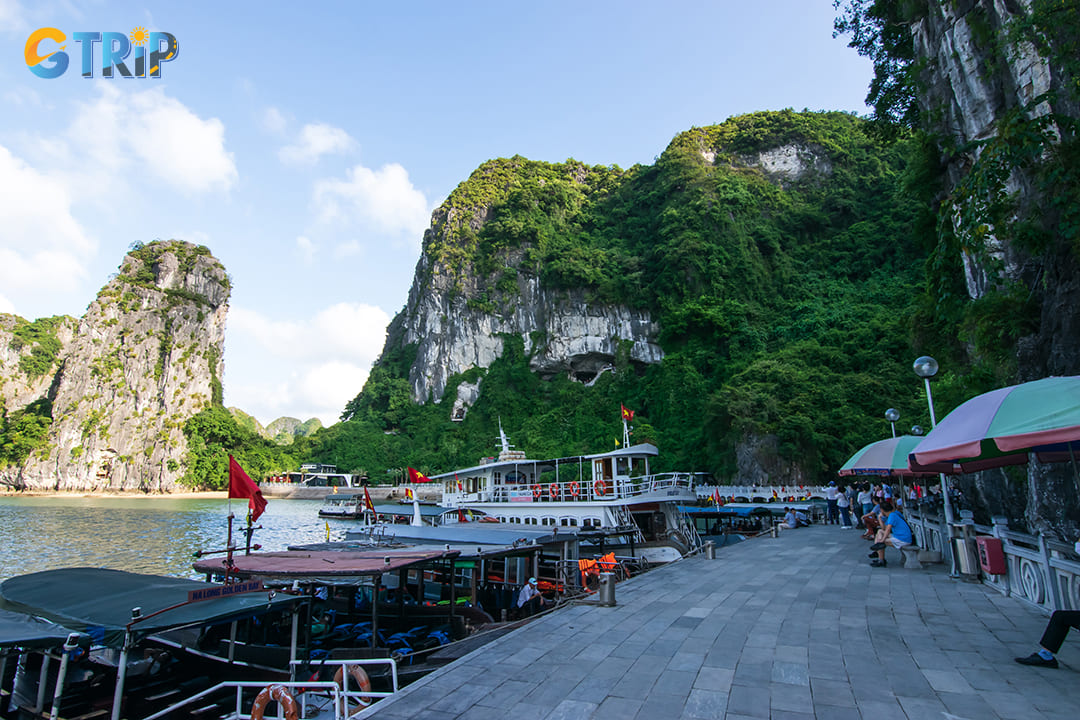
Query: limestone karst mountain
x: 121, y: 381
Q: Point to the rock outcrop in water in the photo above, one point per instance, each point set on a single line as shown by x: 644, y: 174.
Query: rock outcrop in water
x: 145, y: 357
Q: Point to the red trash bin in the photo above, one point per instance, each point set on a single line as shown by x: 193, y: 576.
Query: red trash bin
x: 991, y: 555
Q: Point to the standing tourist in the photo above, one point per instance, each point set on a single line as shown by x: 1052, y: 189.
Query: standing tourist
x: 843, y: 504
x: 831, y: 517
x: 866, y: 501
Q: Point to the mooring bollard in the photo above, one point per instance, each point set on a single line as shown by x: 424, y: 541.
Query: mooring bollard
x: 775, y: 530
x: 710, y: 550
x: 606, y: 591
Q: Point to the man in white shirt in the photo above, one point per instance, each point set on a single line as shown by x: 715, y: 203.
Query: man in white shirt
x: 530, y: 599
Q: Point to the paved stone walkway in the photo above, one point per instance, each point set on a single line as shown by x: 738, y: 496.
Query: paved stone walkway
x: 795, y: 628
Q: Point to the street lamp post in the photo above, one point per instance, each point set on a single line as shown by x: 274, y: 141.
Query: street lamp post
x: 926, y: 367
x: 892, y: 415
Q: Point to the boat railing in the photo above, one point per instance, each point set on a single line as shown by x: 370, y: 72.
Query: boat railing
x: 304, y: 692
x: 600, y: 490
x: 295, y: 689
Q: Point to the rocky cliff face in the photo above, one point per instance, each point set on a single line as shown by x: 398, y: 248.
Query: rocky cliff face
x: 980, y: 74
x: 457, y: 314
x: 27, y: 369
x: 146, y: 356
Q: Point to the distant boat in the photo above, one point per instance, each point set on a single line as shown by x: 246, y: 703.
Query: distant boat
x: 342, y: 506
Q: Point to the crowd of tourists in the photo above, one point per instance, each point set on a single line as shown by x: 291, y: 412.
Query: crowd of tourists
x: 874, y: 509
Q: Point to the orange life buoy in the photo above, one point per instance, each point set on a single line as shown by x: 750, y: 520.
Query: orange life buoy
x: 553, y: 490
x: 363, y: 682
x: 574, y: 488
x: 600, y: 487
x: 279, y: 694
x: 536, y: 492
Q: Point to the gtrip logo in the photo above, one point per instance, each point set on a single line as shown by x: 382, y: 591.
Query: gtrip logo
x: 46, y: 58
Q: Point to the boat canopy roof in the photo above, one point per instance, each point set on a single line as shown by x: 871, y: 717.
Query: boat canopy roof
x: 27, y: 631
x: 99, y: 602
x: 426, y: 511
x: 324, y: 565
x: 631, y: 450
x: 725, y: 511
x: 474, y: 533
x: 467, y: 551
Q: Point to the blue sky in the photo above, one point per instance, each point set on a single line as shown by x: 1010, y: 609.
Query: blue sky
x: 307, y: 146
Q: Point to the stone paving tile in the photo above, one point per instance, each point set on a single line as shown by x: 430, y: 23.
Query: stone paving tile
x: 614, y: 708
x: 950, y: 681
x: 659, y: 707
x: 879, y: 709
x: 792, y: 698
x: 836, y: 712
x: 790, y: 673
x: 748, y: 700
x: 766, y: 628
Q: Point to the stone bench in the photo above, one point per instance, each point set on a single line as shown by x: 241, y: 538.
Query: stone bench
x: 911, y: 556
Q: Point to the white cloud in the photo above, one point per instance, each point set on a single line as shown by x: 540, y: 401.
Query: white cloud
x: 11, y: 16
x: 44, y: 248
x: 274, y: 121
x: 383, y: 200
x: 21, y: 96
x: 325, y: 357
x: 307, y: 249
x: 6, y: 306
x: 327, y: 388
x: 195, y: 237
x: 149, y: 132
x: 316, y: 140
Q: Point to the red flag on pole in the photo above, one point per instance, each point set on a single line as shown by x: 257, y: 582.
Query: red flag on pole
x: 627, y: 415
x: 418, y: 477
x: 242, y: 486
x: 367, y: 502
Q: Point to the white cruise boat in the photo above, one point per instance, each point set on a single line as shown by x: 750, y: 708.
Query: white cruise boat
x: 614, y: 493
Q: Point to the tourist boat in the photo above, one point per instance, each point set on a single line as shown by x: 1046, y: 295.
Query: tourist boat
x: 634, y: 511
x: 342, y: 506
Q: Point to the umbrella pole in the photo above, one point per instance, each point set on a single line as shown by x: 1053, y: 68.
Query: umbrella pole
x: 1076, y: 474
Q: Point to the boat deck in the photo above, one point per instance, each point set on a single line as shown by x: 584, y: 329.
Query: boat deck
x: 796, y: 627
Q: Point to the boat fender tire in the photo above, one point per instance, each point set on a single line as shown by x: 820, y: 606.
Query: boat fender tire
x: 362, y: 681
x: 600, y: 487
x: 279, y: 694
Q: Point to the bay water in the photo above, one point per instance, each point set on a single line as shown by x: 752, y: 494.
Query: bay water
x: 156, y: 535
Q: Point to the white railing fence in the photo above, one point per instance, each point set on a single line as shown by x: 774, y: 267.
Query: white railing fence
x: 1039, y: 570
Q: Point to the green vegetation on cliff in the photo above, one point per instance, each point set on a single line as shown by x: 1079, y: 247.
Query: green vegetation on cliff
x: 213, y: 434
x: 24, y: 431
x: 785, y: 300
x: 40, y: 338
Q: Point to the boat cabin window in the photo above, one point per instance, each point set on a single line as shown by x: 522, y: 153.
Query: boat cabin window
x: 568, y: 522
x: 602, y: 469
x: 622, y: 466
x: 547, y: 521
x: 515, y: 478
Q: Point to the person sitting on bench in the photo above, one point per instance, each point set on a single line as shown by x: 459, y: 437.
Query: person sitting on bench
x: 1052, y: 639
x: 896, y: 532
